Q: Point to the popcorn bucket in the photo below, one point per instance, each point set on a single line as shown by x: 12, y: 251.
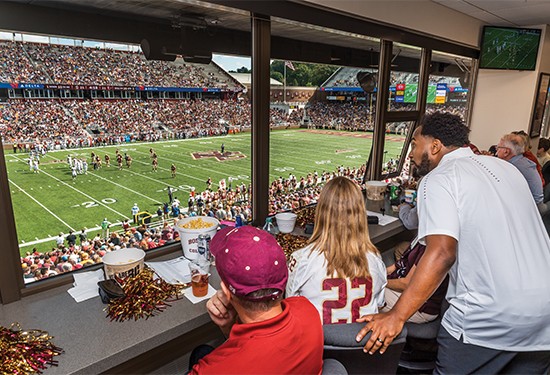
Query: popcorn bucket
x: 123, y: 263
x: 190, y: 228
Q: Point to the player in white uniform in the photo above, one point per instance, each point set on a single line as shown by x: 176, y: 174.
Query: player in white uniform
x: 341, y: 271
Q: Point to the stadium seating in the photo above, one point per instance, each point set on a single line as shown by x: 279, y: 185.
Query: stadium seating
x: 76, y: 65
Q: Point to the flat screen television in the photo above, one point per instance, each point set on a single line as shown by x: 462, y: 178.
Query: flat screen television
x: 509, y: 48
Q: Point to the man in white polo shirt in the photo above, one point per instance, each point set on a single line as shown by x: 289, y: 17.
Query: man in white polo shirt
x: 480, y: 224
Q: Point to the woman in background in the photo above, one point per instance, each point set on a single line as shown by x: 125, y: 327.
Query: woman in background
x: 340, y: 271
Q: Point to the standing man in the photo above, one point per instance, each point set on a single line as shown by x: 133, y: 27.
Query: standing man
x: 119, y: 161
x: 173, y: 170
x: 105, y: 224
x: 222, y: 148
x: 71, y: 239
x: 169, y: 189
x: 480, y: 224
x: 82, y: 236
x: 135, y: 211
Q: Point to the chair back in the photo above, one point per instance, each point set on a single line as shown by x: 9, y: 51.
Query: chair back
x: 340, y: 344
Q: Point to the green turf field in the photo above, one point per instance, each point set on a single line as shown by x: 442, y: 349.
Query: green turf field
x: 51, y: 201
x: 509, y: 49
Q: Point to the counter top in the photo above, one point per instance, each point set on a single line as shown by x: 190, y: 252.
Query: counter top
x: 91, y: 342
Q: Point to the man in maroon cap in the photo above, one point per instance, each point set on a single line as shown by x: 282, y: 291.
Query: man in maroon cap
x: 266, y: 333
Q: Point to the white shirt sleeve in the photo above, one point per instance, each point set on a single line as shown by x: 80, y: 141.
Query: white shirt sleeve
x: 379, y: 278
x: 437, y: 208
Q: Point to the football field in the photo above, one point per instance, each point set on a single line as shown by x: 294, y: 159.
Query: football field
x: 51, y: 201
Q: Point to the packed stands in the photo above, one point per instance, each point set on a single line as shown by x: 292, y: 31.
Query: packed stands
x: 16, y: 66
x: 75, y: 65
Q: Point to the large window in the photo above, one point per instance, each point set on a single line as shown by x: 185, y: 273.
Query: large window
x: 450, y: 84
x: 329, y: 131
x: 90, y: 175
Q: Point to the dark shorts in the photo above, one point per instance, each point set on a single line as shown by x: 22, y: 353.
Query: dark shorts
x: 456, y: 357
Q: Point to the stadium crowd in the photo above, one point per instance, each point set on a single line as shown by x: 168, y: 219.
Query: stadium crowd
x: 58, y: 123
x: 77, y: 65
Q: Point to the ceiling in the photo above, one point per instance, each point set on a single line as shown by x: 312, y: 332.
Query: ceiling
x: 519, y: 13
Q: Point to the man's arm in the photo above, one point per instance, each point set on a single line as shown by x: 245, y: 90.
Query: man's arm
x: 438, y: 258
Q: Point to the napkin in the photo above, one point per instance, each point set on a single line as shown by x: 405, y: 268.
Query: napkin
x: 85, y: 285
x: 192, y: 298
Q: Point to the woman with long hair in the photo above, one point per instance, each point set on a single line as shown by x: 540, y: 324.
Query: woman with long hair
x: 340, y: 271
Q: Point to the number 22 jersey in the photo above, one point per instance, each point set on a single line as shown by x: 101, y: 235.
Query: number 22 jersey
x: 338, y: 300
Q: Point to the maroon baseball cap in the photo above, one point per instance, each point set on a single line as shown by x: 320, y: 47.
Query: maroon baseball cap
x: 249, y: 259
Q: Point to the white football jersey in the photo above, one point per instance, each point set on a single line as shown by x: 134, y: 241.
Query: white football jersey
x: 337, y: 300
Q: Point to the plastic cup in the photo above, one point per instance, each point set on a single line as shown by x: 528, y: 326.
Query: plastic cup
x: 410, y: 196
x: 200, y: 273
x: 376, y: 190
x: 286, y: 221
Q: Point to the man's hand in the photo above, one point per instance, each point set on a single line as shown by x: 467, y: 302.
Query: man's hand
x: 221, y: 312
x: 385, y: 328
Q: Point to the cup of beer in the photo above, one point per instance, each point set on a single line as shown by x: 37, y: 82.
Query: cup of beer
x: 200, y: 273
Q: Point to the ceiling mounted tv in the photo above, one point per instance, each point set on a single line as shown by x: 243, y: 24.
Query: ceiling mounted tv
x: 509, y: 48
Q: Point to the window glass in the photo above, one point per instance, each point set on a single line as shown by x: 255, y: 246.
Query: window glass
x: 405, y: 69
x: 396, y: 134
x: 449, y: 85
x: 322, y: 119
x: 119, y: 151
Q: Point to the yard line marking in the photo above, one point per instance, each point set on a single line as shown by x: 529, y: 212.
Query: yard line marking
x: 87, y: 196
x: 41, y: 205
x: 126, y: 188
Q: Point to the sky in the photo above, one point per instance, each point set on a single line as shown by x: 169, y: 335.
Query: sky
x: 231, y: 62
